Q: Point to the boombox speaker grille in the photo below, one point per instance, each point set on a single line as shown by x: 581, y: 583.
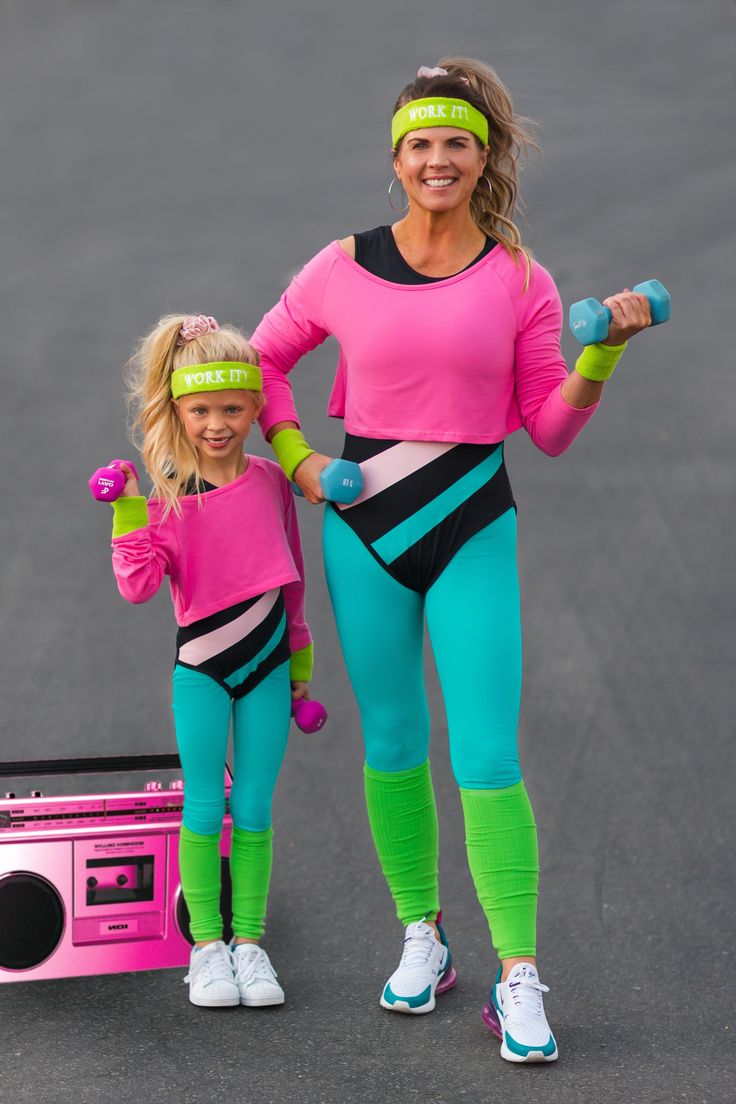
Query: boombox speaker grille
x: 31, y: 920
x: 226, y: 907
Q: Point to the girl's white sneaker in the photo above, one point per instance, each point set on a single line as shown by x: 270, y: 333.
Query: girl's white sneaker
x: 255, y: 976
x: 211, y: 980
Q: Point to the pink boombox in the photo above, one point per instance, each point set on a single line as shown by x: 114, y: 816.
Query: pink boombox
x: 89, y: 884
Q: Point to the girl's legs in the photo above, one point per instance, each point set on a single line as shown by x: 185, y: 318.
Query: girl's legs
x: 474, y: 624
x: 381, y: 625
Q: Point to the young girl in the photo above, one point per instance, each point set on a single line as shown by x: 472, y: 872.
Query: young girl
x: 222, y: 525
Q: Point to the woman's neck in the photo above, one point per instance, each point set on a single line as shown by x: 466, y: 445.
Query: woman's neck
x: 220, y: 473
x: 438, y: 243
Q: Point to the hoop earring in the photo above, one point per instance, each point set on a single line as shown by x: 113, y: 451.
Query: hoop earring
x: 399, y: 210
x: 488, y: 182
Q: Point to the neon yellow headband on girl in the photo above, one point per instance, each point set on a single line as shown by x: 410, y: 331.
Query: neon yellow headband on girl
x: 221, y: 375
x: 438, y: 111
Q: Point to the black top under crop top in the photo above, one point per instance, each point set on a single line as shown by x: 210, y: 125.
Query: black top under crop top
x: 376, y: 250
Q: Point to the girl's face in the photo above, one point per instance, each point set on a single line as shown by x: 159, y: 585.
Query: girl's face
x: 217, y: 422
x: 439, y: 167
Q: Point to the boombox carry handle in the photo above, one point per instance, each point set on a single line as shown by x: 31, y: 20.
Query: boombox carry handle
x: 102, y: 764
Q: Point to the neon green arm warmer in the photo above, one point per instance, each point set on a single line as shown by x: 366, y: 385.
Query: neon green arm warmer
x: 130, y: 512
x: 290, y: 448
x: 301, y: 664
x: 596, y: 362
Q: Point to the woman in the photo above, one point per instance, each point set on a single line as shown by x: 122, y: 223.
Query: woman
x: 449, y: 339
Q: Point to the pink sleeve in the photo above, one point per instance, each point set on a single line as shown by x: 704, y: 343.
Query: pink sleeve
x: 139, y: 566
x: 289, y: 330
x: 551, y: 422
x: 299, y: 634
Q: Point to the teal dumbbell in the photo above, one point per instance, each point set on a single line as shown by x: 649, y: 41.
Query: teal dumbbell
x: 341, y: 481
x: 589, y: 319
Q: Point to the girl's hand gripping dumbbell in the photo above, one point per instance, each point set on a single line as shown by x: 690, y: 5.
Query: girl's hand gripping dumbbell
x: 118, y: 478
x: 309, y: 715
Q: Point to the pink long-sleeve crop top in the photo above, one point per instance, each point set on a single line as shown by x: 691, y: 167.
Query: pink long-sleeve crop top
x: 241, y: 541
x: 471, y: 358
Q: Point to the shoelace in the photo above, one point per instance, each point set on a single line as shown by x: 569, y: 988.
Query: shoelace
x: 525, y: 994
x: 252, y: 965
x: 417, y: 949
x: 215, y: 965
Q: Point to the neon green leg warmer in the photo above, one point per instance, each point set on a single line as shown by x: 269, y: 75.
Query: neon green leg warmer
x: 199, y: 867
x: 501, y: 837
x: 250, y: 871
x: 403, y: 819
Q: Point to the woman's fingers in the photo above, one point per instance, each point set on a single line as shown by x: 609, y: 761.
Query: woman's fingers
x: 630, y: 314
x: 307, y: 476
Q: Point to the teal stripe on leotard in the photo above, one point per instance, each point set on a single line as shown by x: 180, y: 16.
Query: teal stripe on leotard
x: 247, y: 669
x: 392, y: 544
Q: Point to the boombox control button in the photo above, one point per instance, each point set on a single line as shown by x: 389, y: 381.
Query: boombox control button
x: 36, y: 793
x: 177, y: 784
x: 92, y: 883
x: 152, y: 787
x: 9, y: 795
x: 122, y: 879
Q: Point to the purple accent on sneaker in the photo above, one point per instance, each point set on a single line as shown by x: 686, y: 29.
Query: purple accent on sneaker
x: 490, y: 1019
x: 447, y: 981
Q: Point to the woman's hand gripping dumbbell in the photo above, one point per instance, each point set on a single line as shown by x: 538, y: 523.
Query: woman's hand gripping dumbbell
x: 620, y: 316
x: 319, y: 478
x: 118, y: 478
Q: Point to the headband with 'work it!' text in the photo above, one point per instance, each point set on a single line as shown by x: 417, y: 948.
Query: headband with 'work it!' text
x: 222, y: 375
x: 438, y: 111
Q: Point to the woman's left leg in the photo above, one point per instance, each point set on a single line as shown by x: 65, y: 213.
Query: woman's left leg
x: 474, y: 623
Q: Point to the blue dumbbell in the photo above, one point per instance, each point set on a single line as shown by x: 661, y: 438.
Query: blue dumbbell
x: 341, y: 481
x: 589, y: 319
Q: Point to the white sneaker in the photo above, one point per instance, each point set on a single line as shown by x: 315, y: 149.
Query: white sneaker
x: 425, y: 968
x: 516, y: 1004
x: 255, y: 976
x: 210, y: 977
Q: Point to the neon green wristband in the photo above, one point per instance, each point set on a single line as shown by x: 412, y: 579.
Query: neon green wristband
x: 301, y: 664
x: 290, y: 448
x: 129, y: 513
x: 596, y: 362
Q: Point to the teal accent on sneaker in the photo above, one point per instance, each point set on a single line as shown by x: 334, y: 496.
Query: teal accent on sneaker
x: 414, y: 1002
x: 518, y: 1048
x: 443, y: 941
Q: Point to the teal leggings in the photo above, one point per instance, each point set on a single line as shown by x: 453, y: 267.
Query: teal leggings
x: 260, y: 721
x: 474, y: 624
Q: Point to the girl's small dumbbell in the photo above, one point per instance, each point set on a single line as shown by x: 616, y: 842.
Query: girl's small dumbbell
x: 310, y: 716
x: 589, y: 319
x: 108, y: 483
x: 341, y: 481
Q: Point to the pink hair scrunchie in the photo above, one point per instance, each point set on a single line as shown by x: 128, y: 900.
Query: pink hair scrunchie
x: 196, y: 325
x: 438, y: 71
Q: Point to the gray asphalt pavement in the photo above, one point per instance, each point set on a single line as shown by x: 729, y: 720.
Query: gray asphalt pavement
x: 186, y: 155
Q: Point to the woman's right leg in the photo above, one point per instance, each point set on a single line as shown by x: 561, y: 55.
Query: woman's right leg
x: 380, y: 624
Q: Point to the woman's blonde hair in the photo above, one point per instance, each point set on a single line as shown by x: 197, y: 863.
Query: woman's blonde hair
x: 169, y: 456
x: 496, y: 194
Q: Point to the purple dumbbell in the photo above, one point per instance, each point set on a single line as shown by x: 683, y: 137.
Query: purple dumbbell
x: 108, y: 483
x: 310, y: 716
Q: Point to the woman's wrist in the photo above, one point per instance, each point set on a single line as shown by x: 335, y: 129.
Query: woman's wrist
x: 597, y: 362
x: 291, y: 448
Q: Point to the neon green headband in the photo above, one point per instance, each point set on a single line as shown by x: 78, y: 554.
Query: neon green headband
x: 222, y: 375
x: 438, y: 111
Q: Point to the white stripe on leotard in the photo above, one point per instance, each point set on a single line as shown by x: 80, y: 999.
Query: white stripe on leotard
x: 212, y: 643
x: 394, y: 464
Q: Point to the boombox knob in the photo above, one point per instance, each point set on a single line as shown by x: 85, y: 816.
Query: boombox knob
x: 152, y: 787
x: 9, y: 795
x: 36, y: 793
x: 122, y: 879
x: 92, y: 883
x: 177, y: 784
